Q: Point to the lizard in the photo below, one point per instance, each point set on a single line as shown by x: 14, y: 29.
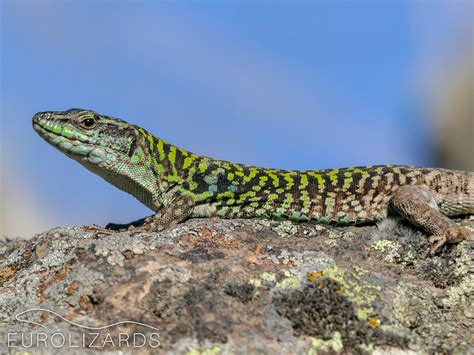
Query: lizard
x: 178, y: 184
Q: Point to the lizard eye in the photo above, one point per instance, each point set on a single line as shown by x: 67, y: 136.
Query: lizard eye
x: 88, y: 123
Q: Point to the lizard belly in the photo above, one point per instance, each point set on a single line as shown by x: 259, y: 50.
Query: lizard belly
x: 317, y: 212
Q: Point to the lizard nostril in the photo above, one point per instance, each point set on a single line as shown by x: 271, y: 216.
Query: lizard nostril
x: 37, y: 119
x: 39, y: 116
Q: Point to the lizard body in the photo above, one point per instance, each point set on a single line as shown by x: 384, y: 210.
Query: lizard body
x: 178, y: 184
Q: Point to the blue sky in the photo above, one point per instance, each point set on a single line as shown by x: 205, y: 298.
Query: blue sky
x: 288, y: 84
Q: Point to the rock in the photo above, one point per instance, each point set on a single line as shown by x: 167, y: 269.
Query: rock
x: 211, y: 286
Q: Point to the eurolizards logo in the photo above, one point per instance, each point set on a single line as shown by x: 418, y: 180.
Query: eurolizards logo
x: 90, y: 337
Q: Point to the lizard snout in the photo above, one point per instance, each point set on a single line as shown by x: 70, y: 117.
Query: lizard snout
x: 39, y: 117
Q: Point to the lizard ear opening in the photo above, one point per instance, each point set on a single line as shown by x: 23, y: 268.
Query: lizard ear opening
x: 133, y: 146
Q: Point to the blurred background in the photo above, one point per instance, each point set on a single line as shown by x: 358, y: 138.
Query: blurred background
x: 287, y: 84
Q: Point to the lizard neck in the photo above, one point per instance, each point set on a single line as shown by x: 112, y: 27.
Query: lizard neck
x: 174, y: 169
x: 149, y: 171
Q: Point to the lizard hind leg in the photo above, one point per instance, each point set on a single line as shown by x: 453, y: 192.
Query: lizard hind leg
x: 419, y: 206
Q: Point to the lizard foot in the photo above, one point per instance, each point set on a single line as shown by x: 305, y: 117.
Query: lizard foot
x: 144, y: 225
x: 152, y: 224
x: 179, y: 211
x: 453, y: 235
x: 438, y: 241
x: 99, y: 229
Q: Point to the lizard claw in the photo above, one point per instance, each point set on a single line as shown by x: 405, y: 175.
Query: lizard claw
x: 438, y: 241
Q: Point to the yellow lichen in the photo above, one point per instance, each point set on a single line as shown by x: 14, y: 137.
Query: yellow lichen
x: 314, y: 276
x: 373, y: 322
x: 289, y: 281
x: 317, y: 344
x: 211, y: 351
x: 268, y: 276
x: 458, y: 295
x: 362, y: 294
x: 382, y: 245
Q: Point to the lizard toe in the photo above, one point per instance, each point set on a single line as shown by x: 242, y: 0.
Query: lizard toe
x: 438, y: 241
x: 99, y: 230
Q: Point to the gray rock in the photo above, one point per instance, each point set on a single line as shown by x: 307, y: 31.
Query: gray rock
x: 237, y: 286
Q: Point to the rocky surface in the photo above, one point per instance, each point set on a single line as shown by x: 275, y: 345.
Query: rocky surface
x: 211, y: 286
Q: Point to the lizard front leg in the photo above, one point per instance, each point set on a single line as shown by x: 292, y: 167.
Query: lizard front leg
x: 419, y: 206
x: 178, y: 209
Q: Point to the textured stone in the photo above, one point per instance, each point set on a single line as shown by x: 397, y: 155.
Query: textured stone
x: 244, y: 286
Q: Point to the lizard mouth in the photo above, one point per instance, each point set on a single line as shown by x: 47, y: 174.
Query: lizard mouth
x: 74, y: 144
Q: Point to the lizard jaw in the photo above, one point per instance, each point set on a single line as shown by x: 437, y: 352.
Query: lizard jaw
x: 76, y: 146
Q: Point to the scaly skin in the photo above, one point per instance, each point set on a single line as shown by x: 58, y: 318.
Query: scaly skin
x: 179, y: 184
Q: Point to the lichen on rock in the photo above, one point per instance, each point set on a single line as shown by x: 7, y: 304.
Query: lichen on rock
x: 216, y: 286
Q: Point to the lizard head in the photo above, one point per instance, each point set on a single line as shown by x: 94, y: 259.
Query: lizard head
x: 109, y: 147
x: 88, y: 137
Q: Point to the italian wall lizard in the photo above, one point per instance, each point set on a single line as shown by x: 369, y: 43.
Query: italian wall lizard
x: 178, y: 184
